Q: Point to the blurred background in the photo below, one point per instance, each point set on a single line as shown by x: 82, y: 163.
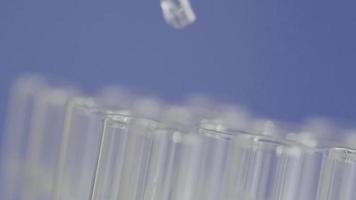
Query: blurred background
x: 285, y: 59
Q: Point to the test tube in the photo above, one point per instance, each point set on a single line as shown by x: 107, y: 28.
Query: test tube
x: 150, y: 161
x: 136, y: 161
x: 338, y: 179
x: 309, y: 179
x: 80, y: 148
x: 159, y: 167
x: 15, y: 141
x: 44, y: 141
x: 316, y: 136
x: 173, y: 170
x: 314, y: 150
x: 148, y: 154
x: 262, y: 167
x: 111, y: 158
x: 187, y: 161
x: 214, y: 155
x: 124, y: 155
x: 111, y: 98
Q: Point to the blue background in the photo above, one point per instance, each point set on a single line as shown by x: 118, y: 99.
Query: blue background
x: 286, y: 59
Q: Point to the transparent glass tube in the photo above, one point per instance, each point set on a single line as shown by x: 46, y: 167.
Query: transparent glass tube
x: 176, y: 164
x: 173, y: 171
x: 111, y: 158
x: 160, y: 162
x: 44, y: 141
x: 136, y: 161
x: 338, y: 179
x: 309, y: 179
x: 15, y: 141
x: 131, y: 159
x: 315, y: 144
x: 260, y: 168
x: 147, y: 160
x: 80, y: 148
x: 215, y: 148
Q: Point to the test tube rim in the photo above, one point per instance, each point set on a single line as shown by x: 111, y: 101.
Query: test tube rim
x: 343, y: 154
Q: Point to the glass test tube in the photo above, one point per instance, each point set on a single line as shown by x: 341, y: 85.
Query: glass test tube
x: 214, y: 155
x: 120, y: 130
x: 149, y: 161
x: 309, y: 179
x: 111, y: 158
x: 136, y: 161
x: 261, y: 167
x: 15, y: 143
x: 338, y: 178
x: 44, y: 142
x: 194, y: 158
x: 314, y: 152
x: 315, y: 140
x: 174, y: 165
x: 80, y: 148
x: 181, y: 146
x: 181, y: 167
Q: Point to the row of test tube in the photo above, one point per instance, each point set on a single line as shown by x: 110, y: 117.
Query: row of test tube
x: 62, y: 144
